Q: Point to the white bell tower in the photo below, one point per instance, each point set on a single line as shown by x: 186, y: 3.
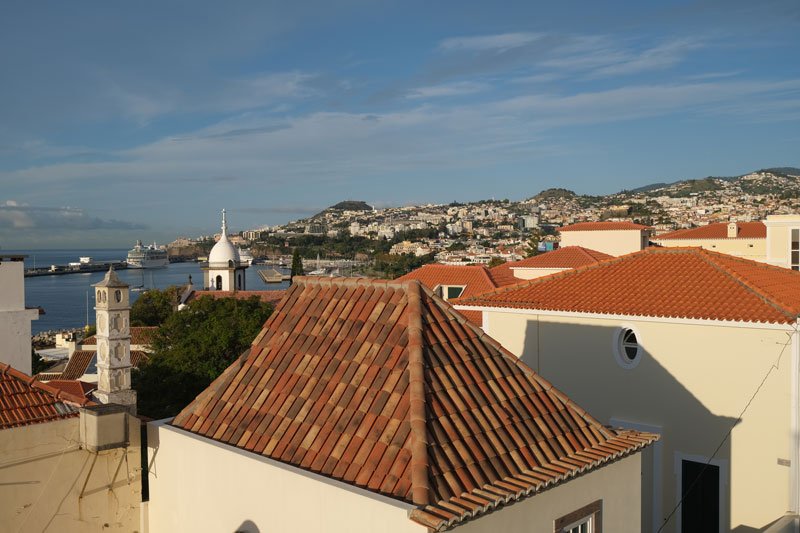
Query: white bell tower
x: 225, y: 271
x: 112, y: 305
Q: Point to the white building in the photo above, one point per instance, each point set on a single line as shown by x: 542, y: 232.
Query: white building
x: 698, y: 346
x: 15, y: 319
x: 612, y: 238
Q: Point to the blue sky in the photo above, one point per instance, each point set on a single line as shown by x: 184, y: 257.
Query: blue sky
x: 143, y: 119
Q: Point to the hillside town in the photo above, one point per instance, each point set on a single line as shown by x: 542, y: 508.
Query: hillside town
x: 478, y: 232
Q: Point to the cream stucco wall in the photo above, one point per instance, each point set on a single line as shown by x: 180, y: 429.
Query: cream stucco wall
x: 691, y: 384
x: 778, y: 238
x: 15, y: 320
x: 48, y: 483
x: 199, y: 485
x: 755, y: 249
x: 616, y: 242
x: 532, y: 273
x: 618, y: 485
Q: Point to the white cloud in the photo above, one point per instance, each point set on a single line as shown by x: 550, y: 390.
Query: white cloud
x: 448, y: 89
x: 482, y: 43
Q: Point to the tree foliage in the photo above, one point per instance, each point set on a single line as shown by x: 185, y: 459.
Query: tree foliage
x: 533, y: 242
x: 297, y: 264
x: 153, y: 307
x: 192, y: 347
x: 37, y: 363
x: 495, y: 261
x: 394, y: 266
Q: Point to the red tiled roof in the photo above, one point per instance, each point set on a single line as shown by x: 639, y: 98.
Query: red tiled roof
x: 382, y: 385
x: 80, y: 360
x: 140, y: 336
x: 662, y: 282
x: 567, y: 257
x: 602, y: 226
x: 25, y: 401
x: 73, y: 386
x: 744, y: 230
x: 269, y: 297
x: 476, y: 279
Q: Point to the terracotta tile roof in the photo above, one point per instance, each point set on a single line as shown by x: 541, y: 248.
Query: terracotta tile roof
x: 269, y: 297
x: 25, y: 401
x: 602, y: 226
x: 382, y: 385
x: 140, y: 336
x: 662, y: 282
x: 476, y: 279
x: 74, y: 386
x: 744, y: 230
x: 82, y: 361
x: 567, y: 257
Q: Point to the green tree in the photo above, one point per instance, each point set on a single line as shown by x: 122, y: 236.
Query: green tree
x: 37, y: 363
x: 495, y: 261
x: 533, y: 242
x: 297, y: 264
x: 192, y: 347
x: 153, y: 307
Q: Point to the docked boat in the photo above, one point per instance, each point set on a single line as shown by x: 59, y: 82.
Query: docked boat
x: 149, y: 256
x: 245, y: 257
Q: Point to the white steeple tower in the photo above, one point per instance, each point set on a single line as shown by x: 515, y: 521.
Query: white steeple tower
x: 225, y: 271
x: 112, y: 305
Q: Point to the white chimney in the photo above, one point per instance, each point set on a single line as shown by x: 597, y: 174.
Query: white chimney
x: 733, y: 230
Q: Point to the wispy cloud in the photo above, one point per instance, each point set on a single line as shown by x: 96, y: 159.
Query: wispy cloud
x: 448, y: 89
x: 25, y: 217
x: 482, y: 43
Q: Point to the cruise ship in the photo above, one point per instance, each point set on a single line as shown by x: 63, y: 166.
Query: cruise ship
x: 150, y: 256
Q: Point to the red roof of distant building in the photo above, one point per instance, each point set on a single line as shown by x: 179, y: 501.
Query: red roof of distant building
x: 476, y: 279
x: 25, y: 401
x: 74, y: 386
x: 270, y: 297
x: 567, y: 257
x: 603, y: 226
x: 375, y: 383
x: 661, y: 282
x: 80, y: 360
x: 744, y: 230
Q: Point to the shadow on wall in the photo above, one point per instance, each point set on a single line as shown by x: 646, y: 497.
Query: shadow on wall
x: 248, y: 527
x: 580, y: 361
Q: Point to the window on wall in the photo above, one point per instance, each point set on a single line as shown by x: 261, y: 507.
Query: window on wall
x: 794, y: 250
x: 626, y: 347
x: 587, y: 519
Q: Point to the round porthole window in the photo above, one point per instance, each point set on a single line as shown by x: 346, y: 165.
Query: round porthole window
x: 627, y: 350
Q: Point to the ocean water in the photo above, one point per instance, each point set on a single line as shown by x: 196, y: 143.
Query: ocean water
x: 64, y: 298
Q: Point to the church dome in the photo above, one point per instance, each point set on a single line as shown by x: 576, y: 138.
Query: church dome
x: 224, y: 251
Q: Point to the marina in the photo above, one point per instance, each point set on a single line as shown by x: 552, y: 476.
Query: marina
x: 84, y: 265
x: 66, y: 299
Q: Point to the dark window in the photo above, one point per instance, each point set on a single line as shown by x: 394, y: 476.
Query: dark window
x: 454, y: 292
x: 629, y: 344
x: 219, y: 283
x: 700, y: 493
x: 795, y: 249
